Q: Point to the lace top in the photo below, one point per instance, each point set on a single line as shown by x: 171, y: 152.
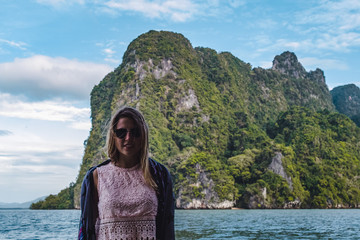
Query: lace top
x: 127, y: 206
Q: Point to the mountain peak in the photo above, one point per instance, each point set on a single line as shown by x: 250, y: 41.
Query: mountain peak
x: 317, y: 75
x: 287, y: 63
x: 158, y: 45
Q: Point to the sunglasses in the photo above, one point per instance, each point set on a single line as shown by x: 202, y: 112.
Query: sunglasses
x: 121, y: 132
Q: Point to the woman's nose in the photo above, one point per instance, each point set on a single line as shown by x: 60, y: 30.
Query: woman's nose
x: 128, y: 135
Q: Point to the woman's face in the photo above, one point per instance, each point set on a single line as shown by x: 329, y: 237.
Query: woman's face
x: 128, y: 139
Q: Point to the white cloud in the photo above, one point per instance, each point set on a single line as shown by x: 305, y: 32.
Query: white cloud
x: 174, y: 10
x: 34, y: 166
x: 109, y: 51
x: 325, y: 64
x: 60, y: 3
x: 178, y: 11
x: 24, y: 148
x: 338, y: 41
x: 41, y: 146
x: 59, y: 111
x: 112, y: 60
x: 284, y: 44
x: 41, y: 77
x: 236, y: 3
x: 110, y: 48
x: 335, y: 24
x: 329, y: 27
x: 5, y: 132
x: 19, y: 45
x: 81, y: 125
x: 340, y: 14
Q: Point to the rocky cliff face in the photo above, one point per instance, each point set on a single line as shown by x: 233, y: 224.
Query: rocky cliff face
x: 277, y: 167
x: 205, y: 194
x: 207, y: 113
x: 288, y: 64
x: 262, y: 200
x: 317, y: 75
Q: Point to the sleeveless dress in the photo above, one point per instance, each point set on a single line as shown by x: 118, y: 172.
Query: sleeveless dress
x: 127, y: 206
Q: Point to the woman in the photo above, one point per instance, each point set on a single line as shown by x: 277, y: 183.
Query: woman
x: 129, y: 196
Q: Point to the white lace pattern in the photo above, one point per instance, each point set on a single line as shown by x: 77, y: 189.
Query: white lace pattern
x: 127, y: 206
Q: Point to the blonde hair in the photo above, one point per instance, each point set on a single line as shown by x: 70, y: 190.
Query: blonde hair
x: 113, y: 152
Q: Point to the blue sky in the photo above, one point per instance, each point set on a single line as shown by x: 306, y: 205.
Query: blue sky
x: 52, y: 53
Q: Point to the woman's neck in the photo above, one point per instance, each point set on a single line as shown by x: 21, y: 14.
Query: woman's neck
x: 125, y: 162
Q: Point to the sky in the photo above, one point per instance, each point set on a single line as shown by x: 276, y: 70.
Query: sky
x: 53, y: 52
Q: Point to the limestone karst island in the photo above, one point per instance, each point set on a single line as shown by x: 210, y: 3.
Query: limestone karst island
x: 232, y: 135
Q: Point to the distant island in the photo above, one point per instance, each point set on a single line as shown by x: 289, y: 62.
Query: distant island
x: 20, y: 205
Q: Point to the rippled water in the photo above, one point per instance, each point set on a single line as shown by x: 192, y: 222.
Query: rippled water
x: 38, y: 224
x: 268, y: 224
x: 199, y: 224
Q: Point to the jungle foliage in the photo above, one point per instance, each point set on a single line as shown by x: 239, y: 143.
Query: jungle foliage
x: 214, y: 112
x: 347, y: 101
x: 63, y: 200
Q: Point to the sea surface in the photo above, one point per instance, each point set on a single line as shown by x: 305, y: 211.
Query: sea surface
x: 199, y: 224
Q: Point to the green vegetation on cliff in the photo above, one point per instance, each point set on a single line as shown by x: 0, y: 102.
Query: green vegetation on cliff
x: 325, y: 157
x: 221, y: 126
x: 347, y: 101
x: 63, y: 200
x: 320, y: 155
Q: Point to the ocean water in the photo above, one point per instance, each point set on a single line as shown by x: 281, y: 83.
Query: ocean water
x: 199, y: 224
x: 38, y: 224
x: 268, y: 224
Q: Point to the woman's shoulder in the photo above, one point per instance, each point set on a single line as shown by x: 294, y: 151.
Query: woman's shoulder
x: 155, y: 164
x: 158, y: 168
x: 103, y: 163
x: 92, y: 169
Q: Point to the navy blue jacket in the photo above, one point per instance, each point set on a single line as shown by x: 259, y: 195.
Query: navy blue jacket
x: 165, y: 196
